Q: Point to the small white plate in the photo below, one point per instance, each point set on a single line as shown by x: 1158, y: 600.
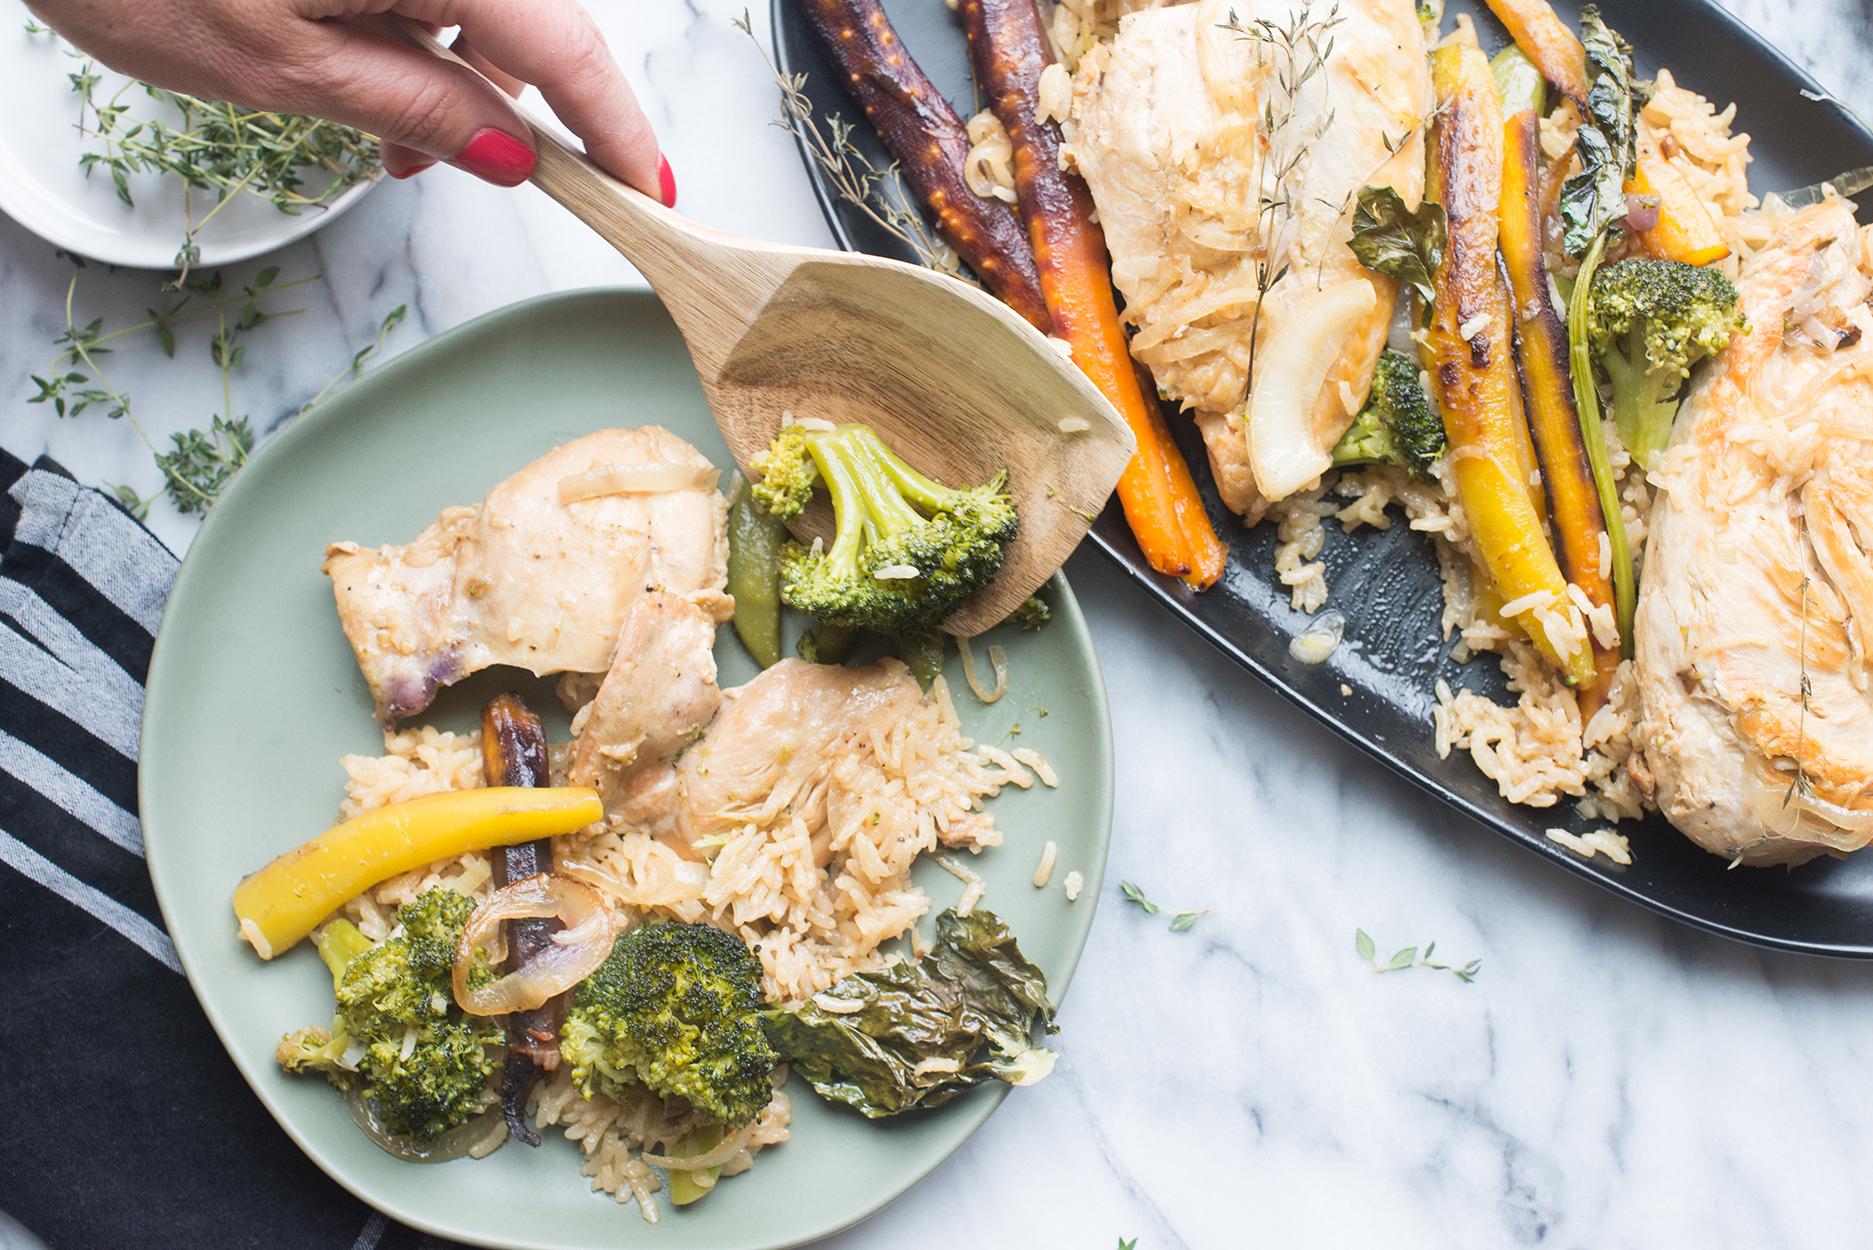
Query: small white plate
x: 43, y: 188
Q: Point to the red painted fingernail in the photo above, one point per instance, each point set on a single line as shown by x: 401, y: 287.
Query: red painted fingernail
x: 497, y: 157
x: 397, y: 170
x: 666, y: 181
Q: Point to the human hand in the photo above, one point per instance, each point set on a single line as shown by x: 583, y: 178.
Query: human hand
x: 317, y: 57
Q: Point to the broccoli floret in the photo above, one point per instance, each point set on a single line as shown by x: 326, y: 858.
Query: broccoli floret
x: 1030, y: 614
x: 787, y: 474
x: 891, y: 569
x: 677, y: 1007
x: 1397, y: 426
x: 396, y: 993
x: 1649, y: 321
x: 829, y: 644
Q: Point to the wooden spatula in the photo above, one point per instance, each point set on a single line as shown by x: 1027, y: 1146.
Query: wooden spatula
x: 950, y: 378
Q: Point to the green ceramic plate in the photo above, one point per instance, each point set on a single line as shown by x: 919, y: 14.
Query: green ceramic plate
x: 253, y: 696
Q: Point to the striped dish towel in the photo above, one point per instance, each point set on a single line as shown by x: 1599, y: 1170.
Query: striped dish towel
x: 126, y: 1124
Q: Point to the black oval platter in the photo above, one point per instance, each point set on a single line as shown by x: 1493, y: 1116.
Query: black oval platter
x: 1386, y: 583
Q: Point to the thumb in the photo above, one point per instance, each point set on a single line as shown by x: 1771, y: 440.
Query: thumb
x: 422, y: 108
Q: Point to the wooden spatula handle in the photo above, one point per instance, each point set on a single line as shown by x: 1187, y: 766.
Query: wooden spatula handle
x: 713, y: 283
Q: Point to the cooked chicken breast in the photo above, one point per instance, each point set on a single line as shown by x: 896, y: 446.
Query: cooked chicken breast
x: 1758, y: 582
x: 653, y: 704
x: 777, y: 738
x: 524, y: 579
x: 1167, y: 125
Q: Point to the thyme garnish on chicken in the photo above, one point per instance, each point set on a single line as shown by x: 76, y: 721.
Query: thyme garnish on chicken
x: 1292, y: 55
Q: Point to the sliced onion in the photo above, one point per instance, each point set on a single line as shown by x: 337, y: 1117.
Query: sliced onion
x: 1641, y: 211
x: 478, y: 1138
x: 1289, y: 376
x: 573, y: 956
x: 635, y: 479
x: 998, y: 661
x: 730, y: 1146
x: 1320, y: 639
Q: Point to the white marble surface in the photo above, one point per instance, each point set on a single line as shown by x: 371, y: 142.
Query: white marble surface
x: 1611, y: 1079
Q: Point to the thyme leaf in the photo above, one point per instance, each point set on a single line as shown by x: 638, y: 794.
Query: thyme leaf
x: 1180, y: 920
x: 878, y: 193
x: 1290, y: 56
x: 294, y: 163
x: 198, y: 464
x: 1410, y: 957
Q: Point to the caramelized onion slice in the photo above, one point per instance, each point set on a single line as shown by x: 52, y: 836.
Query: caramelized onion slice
x: 713, y: 1159
x: 575, y: 953
x: 476, y: 1139
x: 634, y: 479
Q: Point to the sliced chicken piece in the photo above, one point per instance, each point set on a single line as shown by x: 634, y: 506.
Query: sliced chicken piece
x: 527, y: 580
x: 653, y: 704
x: 1758, y: 581
x: 1167, y: 132
x: 776, y: 739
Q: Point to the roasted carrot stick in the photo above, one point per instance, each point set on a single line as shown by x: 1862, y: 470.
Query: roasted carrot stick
x: 1010, y: 50
x: 930, y: 144
x: 1554, y: 49
x: 1579, y: 527
x: 1468, y: 356
x: 513, y: 753
x: 1684, y: 231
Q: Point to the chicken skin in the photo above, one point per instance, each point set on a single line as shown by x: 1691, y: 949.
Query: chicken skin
x: 523, y: 578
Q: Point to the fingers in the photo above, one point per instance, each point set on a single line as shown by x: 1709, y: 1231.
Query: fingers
x: 402, y: 162
x: 488, y: 69
x: 555, y: 45
x: 424, y: 109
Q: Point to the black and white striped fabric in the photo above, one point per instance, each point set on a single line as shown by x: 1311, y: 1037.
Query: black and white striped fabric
x: 125, y: 1123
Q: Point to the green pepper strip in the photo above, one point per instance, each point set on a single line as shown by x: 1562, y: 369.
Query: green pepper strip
x: 700, y: 1141
x: 1587, y: 400
x: 754, y: 544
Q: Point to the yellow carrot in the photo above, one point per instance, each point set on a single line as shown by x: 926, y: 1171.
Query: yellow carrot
x: 1467, y: 354
x: 287, y: 899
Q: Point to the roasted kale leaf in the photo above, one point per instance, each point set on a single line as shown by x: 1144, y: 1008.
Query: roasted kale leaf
x: 916, y: 1035
x: 1594, y: 197
x: 1393, y: 240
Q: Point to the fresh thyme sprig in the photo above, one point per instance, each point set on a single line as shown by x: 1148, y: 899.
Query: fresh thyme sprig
x: 1289, y: 56
x: 199, y: 463
x: 1180, y: 920
x: 1802, y: 785
x: 878, y: 193
x: 1410, y: 958
x: 291, y: 162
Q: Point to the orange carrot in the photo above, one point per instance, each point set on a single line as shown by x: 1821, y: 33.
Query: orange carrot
x: 1579, y: 526
x: 1555, y: 49
x: 1684, y: 231
x: 1010, y: 50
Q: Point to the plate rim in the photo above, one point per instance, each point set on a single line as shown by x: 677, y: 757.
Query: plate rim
x: 1111, y: 536
x: 984, y: 1101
